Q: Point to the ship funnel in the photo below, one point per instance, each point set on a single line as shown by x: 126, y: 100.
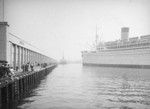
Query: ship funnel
x: 124, y: 33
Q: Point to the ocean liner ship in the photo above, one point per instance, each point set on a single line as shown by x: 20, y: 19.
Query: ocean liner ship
x: 126, y: 52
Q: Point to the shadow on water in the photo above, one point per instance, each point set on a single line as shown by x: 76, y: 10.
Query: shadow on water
x: 22, y: 98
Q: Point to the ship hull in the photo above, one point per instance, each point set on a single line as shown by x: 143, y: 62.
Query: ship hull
x: 130, y: 58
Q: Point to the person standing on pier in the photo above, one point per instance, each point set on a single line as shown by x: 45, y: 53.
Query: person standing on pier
x: 32, y: 67
x: 23, y: 67
x: 27, y: 67
x: 2, y: 71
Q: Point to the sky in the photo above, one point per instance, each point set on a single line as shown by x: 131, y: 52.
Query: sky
x: 68, y: 27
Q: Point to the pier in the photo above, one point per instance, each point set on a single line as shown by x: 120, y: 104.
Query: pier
x: 22, y: 67
x: 12, y: 90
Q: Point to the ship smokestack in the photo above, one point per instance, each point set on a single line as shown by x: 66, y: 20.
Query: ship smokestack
x: 124, y: 33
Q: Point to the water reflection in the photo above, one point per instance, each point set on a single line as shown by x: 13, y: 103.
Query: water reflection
x: 23, y: 98
x: 74, y: 86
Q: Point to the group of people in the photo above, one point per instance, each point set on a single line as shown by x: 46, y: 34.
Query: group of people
x: 6, y: 70
x: 27, y: 67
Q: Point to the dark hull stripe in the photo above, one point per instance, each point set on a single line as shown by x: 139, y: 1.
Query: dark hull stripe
x: 119, y: 65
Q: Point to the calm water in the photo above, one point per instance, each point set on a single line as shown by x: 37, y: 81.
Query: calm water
x: 74, y: 86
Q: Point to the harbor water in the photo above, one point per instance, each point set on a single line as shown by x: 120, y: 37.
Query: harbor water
x: 73, y: 86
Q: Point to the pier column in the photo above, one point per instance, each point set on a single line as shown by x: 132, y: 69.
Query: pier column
x: 19, y: 57
x: 24, y: 53
x: 15, y: 56
x: 22, y: 60
x: 3, y: 41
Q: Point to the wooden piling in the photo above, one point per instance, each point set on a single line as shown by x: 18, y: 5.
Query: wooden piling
x: 16, y: 90
x: 0, y: 98
x: 13, y: 90
x: 4, y: 94
x: 10, y: 92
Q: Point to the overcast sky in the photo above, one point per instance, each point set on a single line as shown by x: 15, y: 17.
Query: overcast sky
x: 55, y: 26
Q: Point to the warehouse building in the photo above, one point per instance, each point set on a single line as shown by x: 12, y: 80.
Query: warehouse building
x: 18, y: 52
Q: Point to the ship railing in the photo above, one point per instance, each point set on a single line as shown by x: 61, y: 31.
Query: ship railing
x: 128, y: 45
x: 132, y: 43
x: 145, y: 37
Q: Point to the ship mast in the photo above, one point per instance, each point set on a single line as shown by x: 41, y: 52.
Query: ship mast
x: 63, y: 56
x: 96, y: 38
